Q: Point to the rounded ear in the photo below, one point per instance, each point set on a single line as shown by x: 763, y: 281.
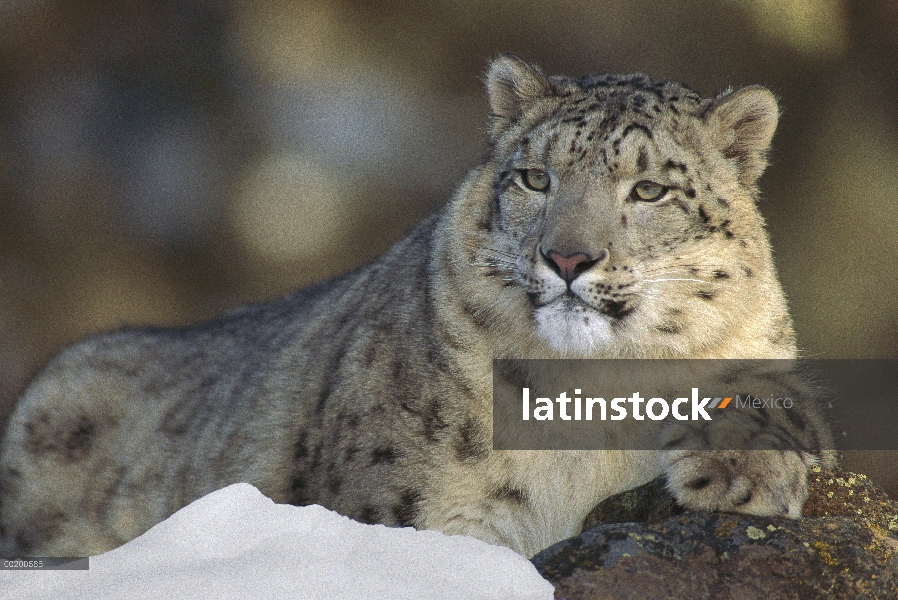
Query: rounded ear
x: 512, y: 84
x: 742, y: 124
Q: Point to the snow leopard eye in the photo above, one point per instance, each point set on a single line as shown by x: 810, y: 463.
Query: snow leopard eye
x: 648, y: 191
x: 536, y: 179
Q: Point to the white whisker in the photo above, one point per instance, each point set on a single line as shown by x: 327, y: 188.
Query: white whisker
x: 674, y: 279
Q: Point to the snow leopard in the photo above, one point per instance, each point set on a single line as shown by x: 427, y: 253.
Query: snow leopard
x: 613, y: 216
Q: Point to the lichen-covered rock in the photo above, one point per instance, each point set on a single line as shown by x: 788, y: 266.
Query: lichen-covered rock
x: 716, y: 555
x: 845, y: 547
x: 836, y: 493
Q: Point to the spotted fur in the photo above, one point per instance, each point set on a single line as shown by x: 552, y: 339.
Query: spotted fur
x: 371, y: 393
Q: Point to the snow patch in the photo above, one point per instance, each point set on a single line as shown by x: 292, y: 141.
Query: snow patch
x: 237, y: 543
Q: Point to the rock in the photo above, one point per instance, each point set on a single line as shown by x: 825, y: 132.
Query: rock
x: 645, y: 504
x: 845, y: 547
x: 836, y: 493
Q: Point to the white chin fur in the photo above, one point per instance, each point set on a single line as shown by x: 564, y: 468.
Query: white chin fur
x: 566, y: 331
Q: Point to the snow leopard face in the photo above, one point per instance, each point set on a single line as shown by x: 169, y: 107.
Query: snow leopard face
x: 623, y: 208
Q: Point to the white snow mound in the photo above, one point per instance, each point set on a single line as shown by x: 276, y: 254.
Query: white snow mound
x: 237, y: 543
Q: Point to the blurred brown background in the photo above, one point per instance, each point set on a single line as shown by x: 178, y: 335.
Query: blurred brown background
x: 161, y: 162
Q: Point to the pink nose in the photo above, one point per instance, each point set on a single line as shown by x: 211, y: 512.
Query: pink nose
x: 569, y: 267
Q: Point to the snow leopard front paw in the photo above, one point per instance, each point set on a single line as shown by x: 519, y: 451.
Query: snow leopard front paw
x: 755, y: 482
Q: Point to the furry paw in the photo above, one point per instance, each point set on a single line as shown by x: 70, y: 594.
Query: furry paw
x: 755, y: 482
